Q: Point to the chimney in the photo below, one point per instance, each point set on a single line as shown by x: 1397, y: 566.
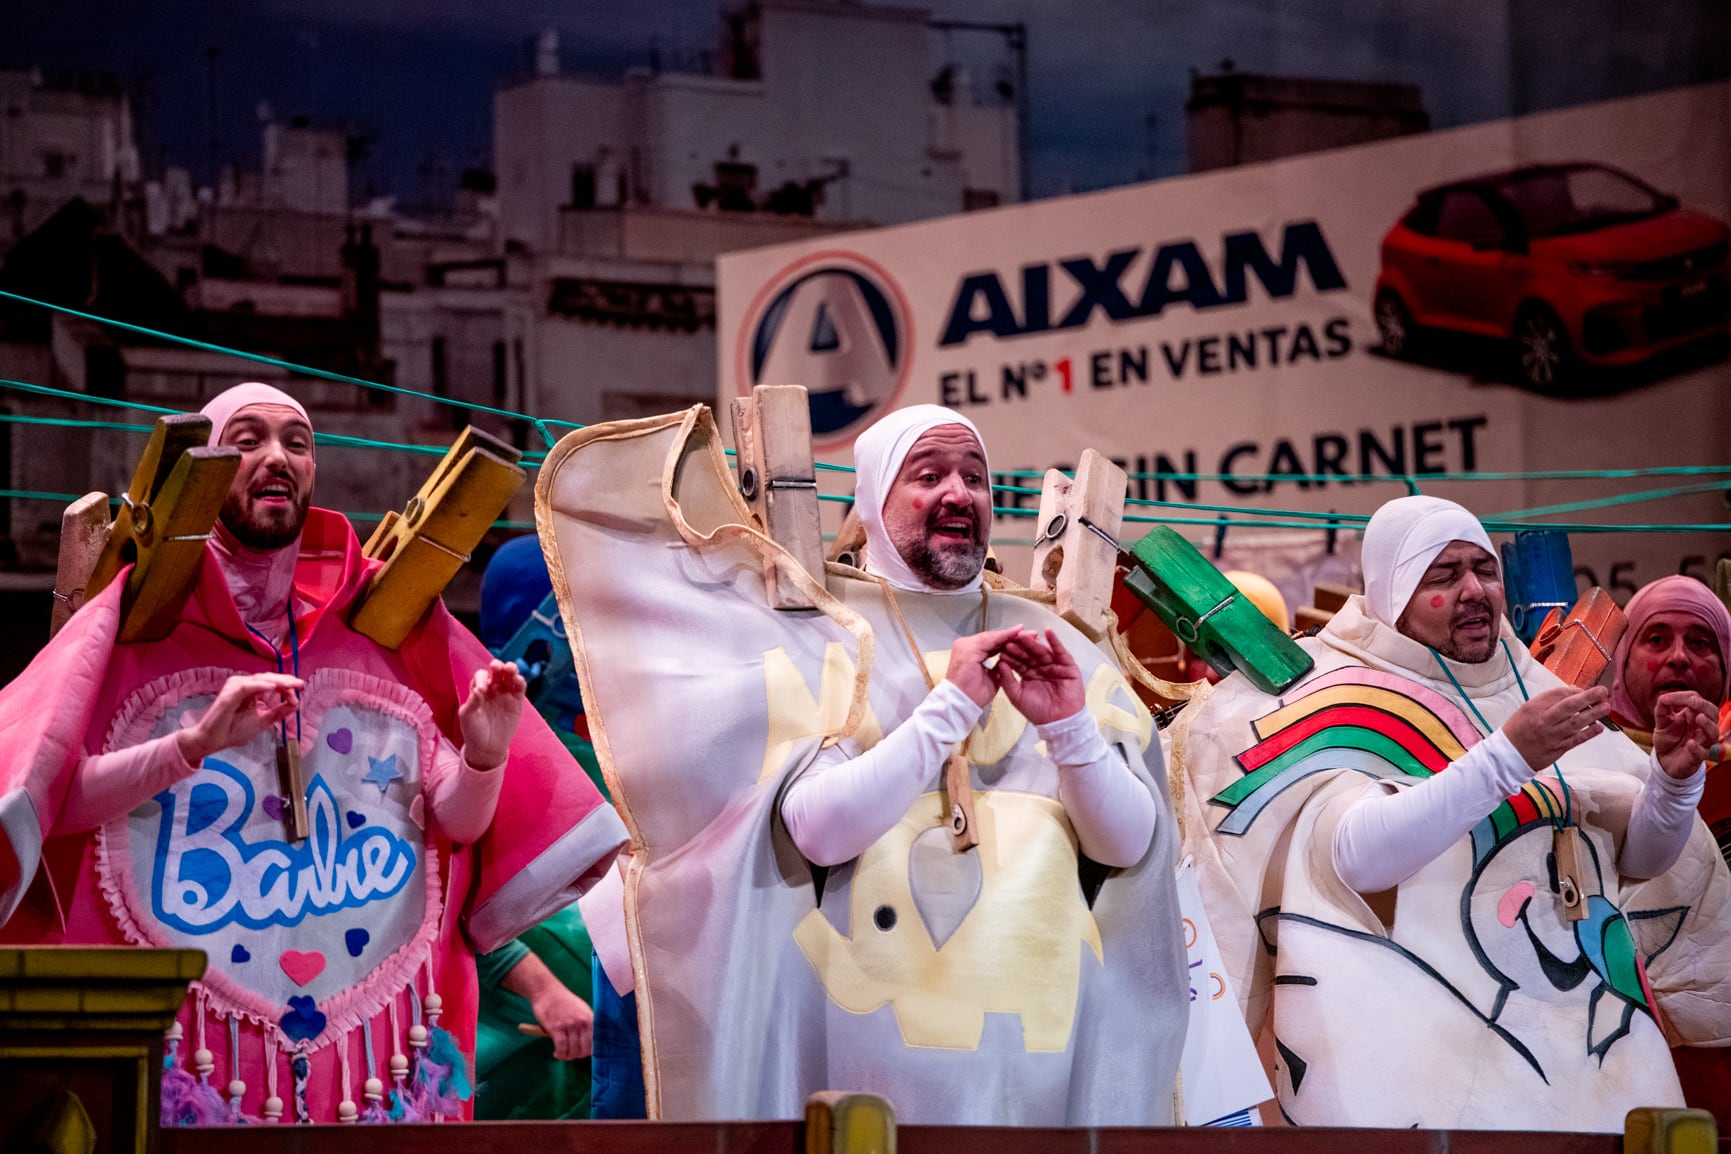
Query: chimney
x: 360, y: 285
x: 547, y: 52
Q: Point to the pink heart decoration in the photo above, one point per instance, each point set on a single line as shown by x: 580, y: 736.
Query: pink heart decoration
x: 302, y: 967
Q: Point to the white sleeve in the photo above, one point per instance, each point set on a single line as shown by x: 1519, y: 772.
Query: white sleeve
x: 841, y: 805
x: 1663, y: 817
x: 1385, y: 837
x: 1111, y: 808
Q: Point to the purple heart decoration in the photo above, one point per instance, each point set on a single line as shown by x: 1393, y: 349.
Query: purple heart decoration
x: 341, y: 740
x: 303, y: 1022
x: 356, y: 820
x: 356, y: 941
x: 272, y: 806
x: 239, y: 954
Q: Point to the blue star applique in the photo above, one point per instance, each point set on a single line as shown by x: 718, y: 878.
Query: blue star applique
x: 384, y: 771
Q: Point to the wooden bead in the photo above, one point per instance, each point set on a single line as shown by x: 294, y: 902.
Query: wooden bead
x: 374, y: 1090
x: 272, y: 1109
x: 418, y: 1037
x: 204, y: 1062
x: 236, y: 1089
x: 346, y: 1111
x: 399, y: 1067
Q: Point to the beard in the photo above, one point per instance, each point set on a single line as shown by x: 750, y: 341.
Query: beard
x: 1470, y: 652
x: 263, y: 530
x: 942, y: 561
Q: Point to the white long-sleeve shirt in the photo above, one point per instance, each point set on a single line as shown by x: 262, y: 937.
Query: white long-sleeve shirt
x: 1391, y: 833
x: 849, y: 798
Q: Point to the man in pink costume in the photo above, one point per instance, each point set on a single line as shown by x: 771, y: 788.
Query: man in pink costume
x: 140, y: 804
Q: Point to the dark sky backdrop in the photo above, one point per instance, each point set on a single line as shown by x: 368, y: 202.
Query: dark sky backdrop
x: 1109, y: 77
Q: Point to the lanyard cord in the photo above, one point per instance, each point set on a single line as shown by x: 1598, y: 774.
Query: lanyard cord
x: 295, y: 649
x: 1568, y: 796
x: 914, y: 645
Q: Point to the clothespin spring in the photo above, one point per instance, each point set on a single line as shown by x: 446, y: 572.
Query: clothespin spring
x: 1188, y: 631
x: 1550, y: 636
x: 1056, y: 526
x: 749, y: 481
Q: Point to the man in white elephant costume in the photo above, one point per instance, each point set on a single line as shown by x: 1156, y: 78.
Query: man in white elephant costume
x: 1453, y: 896
x: 797, y: 916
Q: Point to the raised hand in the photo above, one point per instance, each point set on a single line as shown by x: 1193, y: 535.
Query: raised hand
x: 247, y: 705
x: 1685, y: 728
x: 1556, y: 721
x: 1040, y: 678
x: 968, y: 657
x: 489, y: 717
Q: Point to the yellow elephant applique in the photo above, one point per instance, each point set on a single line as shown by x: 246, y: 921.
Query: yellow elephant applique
x: 947, y: 938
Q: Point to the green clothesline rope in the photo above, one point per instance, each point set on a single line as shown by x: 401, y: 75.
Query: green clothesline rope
x: 298, y: 369
x: 542, y: 426
x: 1006, y: 511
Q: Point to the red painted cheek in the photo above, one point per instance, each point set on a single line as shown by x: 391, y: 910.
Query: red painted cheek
x: 1654, y: 667
x: 918, y: 504
x: 1436, y: 601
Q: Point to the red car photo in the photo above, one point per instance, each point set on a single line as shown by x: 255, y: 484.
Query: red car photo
x: 1579, y: 265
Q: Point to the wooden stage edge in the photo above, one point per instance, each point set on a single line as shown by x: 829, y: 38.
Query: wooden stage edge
x: 789, y: 1138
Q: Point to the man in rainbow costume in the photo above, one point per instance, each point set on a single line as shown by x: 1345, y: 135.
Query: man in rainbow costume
x: 140, y: 804
x: 1451, y: 895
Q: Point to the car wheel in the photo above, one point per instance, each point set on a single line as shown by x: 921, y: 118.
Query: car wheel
x: 1542, y: 343
x: 1394, y: 325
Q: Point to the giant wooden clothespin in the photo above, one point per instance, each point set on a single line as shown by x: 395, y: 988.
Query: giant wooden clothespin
x: 1578, y: 647
x: 772, y: 435
x: 164, y: 520
x: 1076, y: 553
x: 425, y: 545
x: 83, y: 533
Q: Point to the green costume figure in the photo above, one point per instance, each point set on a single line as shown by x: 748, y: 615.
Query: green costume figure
x: 541, y: 980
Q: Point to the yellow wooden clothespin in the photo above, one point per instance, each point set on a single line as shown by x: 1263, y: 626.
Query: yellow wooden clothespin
x: 772, y: 435
x: 425, y: 545
x: 160, y: 529
x: 1076, y: 553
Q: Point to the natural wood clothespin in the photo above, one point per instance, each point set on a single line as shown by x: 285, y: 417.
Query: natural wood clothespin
x: 848, y: 548
x: 772, y: 434
x: 425, y: 545
x: 1076, y: 554
x: 83, y: 533
x: 160, y: 529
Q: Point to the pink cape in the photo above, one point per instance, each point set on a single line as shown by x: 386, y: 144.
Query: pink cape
x: 552, y: 834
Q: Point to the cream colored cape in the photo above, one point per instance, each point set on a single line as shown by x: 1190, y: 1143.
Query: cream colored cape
x: 977, y: 988
x: 1462, y: 998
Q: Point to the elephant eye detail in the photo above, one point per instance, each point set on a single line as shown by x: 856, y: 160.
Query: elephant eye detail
x: 885, y: 918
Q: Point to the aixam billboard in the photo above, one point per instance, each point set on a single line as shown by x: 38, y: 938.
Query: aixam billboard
x: 1551, y: 293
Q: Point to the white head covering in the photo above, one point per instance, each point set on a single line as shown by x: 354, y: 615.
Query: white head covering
x: 878, y: 455
x: 1401, y: 541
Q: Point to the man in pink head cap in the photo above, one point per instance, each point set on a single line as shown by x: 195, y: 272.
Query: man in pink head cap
x: 1452, y: 864
x: 149, y: 790
x: 1671, y: 666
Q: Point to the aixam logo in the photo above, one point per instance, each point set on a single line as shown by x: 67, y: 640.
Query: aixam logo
x: 837, y: 324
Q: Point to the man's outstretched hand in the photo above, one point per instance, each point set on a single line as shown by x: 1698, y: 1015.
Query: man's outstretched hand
x: 1040, y: 677
x: 247, y: 705
x: 1556, y: 721
x: 489, y: 717
x: 1685, y: 728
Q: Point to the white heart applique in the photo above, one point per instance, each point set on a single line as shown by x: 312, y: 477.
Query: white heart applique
x: 341, y: 917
